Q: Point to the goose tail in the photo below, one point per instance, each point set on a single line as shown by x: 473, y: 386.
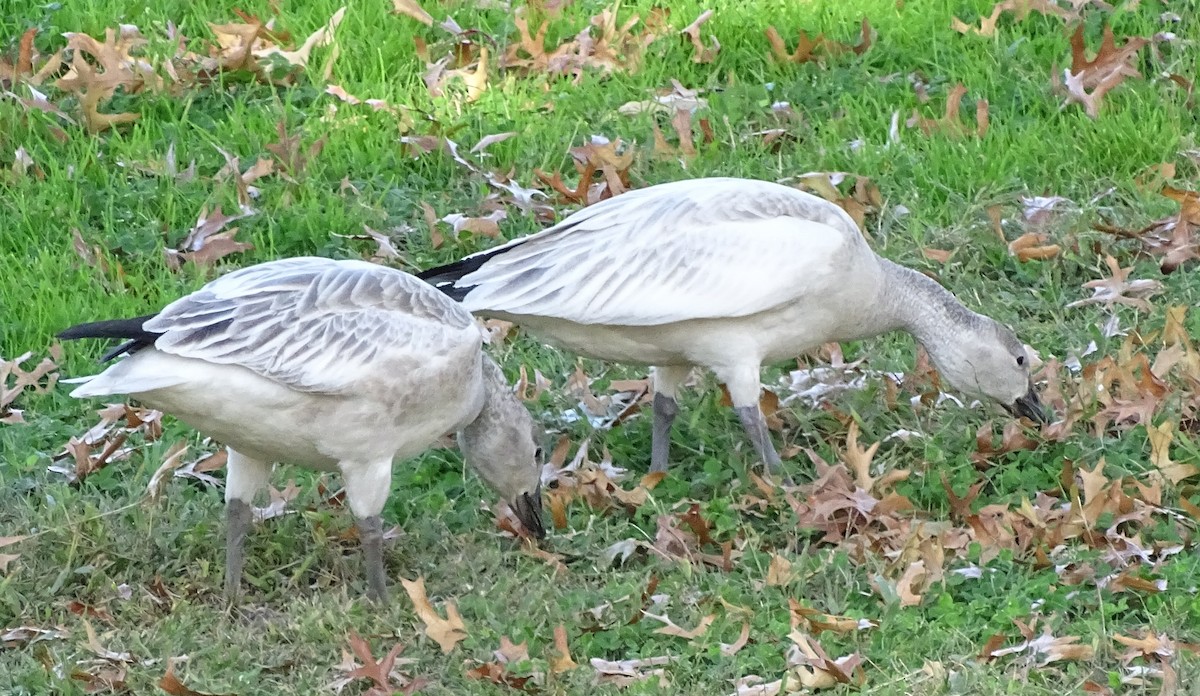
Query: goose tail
x: 129, y: 329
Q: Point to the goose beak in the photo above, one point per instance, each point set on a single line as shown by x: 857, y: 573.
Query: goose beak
x: 528, y: 507
x: 1028, y: 406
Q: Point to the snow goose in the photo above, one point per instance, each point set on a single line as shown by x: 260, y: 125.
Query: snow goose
x: 333, y: 365
x: 727, y: 274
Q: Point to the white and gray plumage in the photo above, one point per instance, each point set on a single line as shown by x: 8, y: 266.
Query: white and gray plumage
x: 727, y: 274
x: 332, y: 365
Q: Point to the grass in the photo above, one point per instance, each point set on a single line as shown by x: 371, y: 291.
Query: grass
x: 92, y: 541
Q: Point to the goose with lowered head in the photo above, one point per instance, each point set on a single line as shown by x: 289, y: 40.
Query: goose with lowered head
x: 727, y: 274
x: 332, y: 365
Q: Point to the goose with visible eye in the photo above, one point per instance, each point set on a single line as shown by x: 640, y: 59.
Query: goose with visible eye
x: 332, y: 365
x: 727, y: 274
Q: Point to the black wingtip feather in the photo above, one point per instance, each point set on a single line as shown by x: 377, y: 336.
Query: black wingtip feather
x: 130, y: 329
x: 444, y: 277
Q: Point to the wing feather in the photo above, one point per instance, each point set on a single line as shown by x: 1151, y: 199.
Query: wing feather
x: 313, y: 324
x: 697, y: 249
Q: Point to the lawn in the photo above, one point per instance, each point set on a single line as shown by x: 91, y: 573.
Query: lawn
x: 937, y: 546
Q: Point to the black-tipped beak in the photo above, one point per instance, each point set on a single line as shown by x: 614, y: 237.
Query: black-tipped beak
x: 528, y: 507
x: 1030, y: 407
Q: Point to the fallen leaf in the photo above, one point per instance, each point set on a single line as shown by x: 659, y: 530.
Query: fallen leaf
x: 1160, y: 437
x: 809, y: 49
x: 171, y: 461
x: 939, y: 255
x: 14, y: 380
x: 1108, y: 68
x: 1118, y: 290
x: 625, y: 672
x: 701, y: 53
x: 912, y: 584
x: 1032, y: 246
x: 1045, y: 648
x: 671, y: 629
x: 951, y: 124
x: 816, y: 670
x: 385, y: 678
x: 279, y: 499
x: 1022, y: 8
x: 26, y: 635
x: 7, y: 558
x: 498, y: 674
x: 731, y: 649
x: 446, y: 632
x: 561, y: 660
x: 410, y: 8
x: 173, y: 686
x: 779, y: 572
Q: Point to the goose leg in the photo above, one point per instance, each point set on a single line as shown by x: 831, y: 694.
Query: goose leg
x: 665, y: 410
x: 755, y: 425
x: 667, y: 380
x: 370, y: 534
x: 238, y: 518
x: 744, y: 387
x: 244, y: 478
x: 367, y: 488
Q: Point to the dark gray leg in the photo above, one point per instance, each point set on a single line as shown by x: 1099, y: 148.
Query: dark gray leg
x: 665, y: 410
x: 370, y: 532
x: 238, y: 518
x: 756, y: 428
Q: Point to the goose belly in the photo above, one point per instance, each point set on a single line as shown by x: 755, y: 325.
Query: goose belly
x: 769, y: 336
x: 270, y: 422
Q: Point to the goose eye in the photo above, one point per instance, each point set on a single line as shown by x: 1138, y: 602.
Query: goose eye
x: 1020, y: 359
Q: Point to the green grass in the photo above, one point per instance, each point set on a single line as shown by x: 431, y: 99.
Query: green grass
x: 304, y: 580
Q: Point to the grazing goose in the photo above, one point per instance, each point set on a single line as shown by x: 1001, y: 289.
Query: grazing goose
x: 727, y: 274
x: 333, y: 365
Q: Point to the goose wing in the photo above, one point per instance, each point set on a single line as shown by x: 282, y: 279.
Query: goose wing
x: 699, y: 249
x: 313, y: 324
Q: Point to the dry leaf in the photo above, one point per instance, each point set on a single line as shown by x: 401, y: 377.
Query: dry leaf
x: 410, y: 8
x: 498, y: 674
x: 386, y: 679
x: 731, y: 649
x: 809, y: 49
x: 625, y: 672
x: 814, y: 668
x: 8, y: 558
x: 173, y: 686
x: 1160, y: 437
x: 561, y: 660
x: 1118, y: 290
x: 14, y: 380
x: 1022, y: 8
x: 1110, y: 66
x: 951, y: 124
x: 780, y: 573
x: 446, y: 632
x: 671, y: 629
x: 701, y: 53
x: 1032, y: 246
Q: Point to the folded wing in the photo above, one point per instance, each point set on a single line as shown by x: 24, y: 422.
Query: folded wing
x: 313, y: 324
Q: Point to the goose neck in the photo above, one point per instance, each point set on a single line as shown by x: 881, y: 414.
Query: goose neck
x: 917, y: 304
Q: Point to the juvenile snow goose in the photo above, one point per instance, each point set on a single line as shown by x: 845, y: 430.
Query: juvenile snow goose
x: 727, y: 274
x: 333, y: 365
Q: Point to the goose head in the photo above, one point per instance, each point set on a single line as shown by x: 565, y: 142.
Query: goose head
x: 502, y: 448
x: 985, y: 358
